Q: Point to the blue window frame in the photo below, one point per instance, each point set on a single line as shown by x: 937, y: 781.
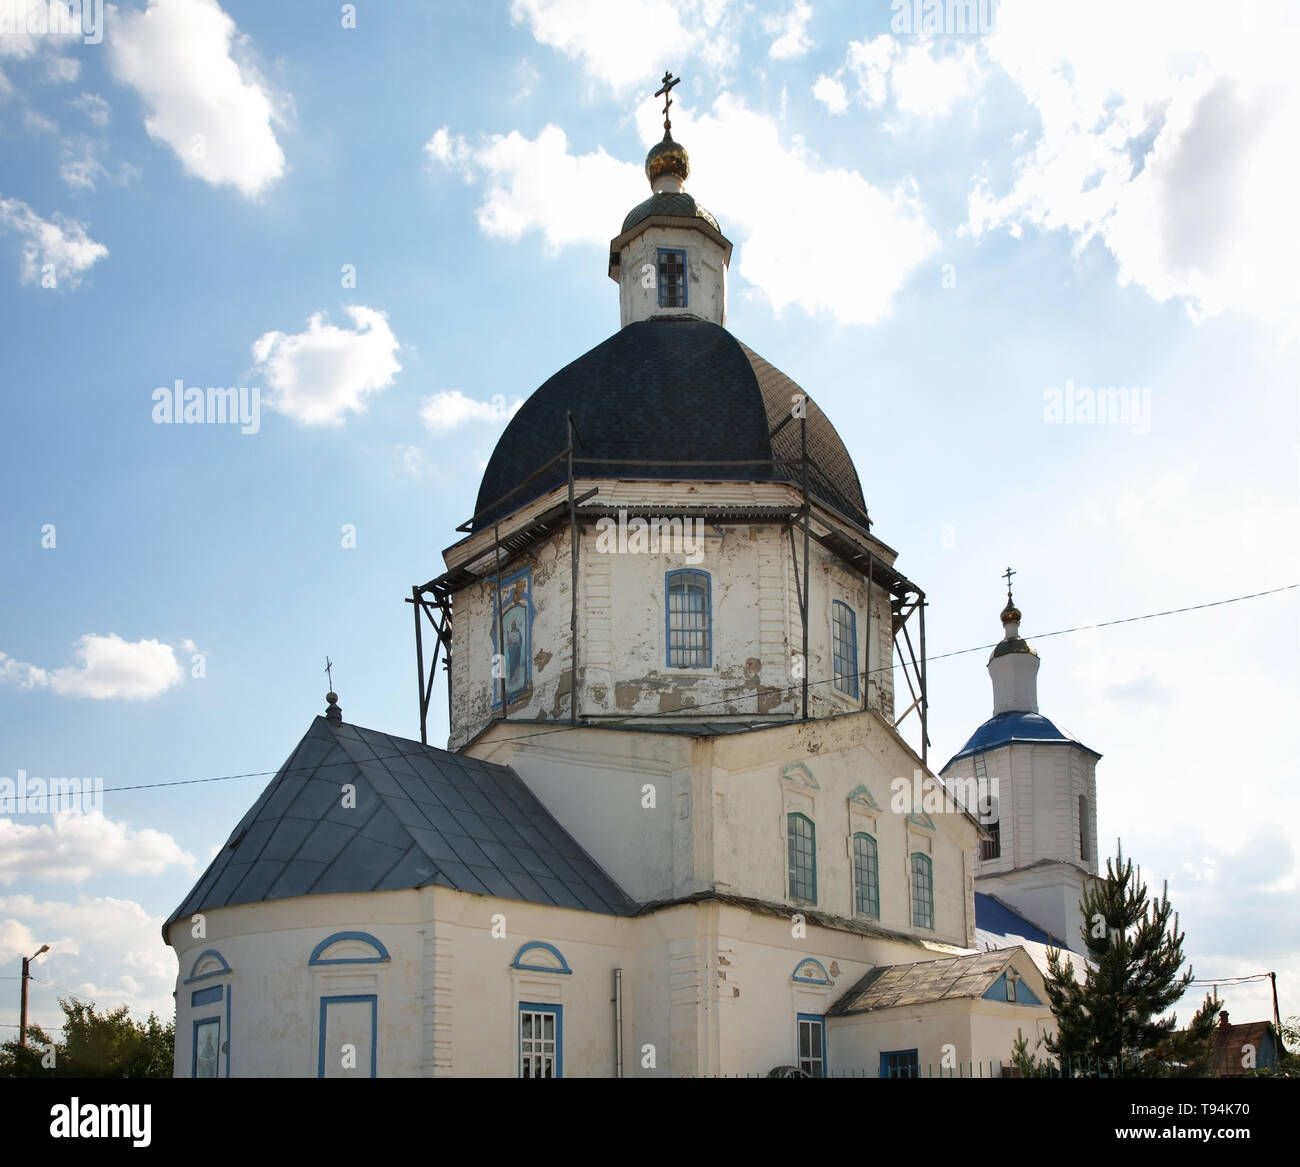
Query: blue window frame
x: 844, y: 645
x: 801, y: 843
x: 688, y: 619
x: 355, y: 1017
x: 922, y: 891
x: 900, y: 1063
x: 205, y: 1060
x: 810, y: 1035
x: 541, y: 1040
x: 672, y: 278
x: 866, y: 875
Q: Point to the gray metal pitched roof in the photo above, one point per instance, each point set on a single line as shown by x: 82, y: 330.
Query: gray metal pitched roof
x: 422, y: 816
x: 923, y: 982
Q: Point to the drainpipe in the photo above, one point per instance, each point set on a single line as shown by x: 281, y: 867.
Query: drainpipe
x: 618, y: 1023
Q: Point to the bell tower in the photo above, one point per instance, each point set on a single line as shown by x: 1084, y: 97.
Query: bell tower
x: 1037, y: 792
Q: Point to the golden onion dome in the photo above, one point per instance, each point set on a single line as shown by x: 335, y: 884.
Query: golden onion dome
x: 1010, y: 614
x: 667, y: 157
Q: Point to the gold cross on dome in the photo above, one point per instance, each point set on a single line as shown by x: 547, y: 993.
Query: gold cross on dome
x: 666, y: 94
x: 1006, y: 575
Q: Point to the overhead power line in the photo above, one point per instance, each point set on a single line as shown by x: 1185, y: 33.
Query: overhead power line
x: 722, y: 701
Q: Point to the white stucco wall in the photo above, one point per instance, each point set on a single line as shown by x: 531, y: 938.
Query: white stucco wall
x: 706, y: 275
x: 708, y: 988
x: 623, y: 670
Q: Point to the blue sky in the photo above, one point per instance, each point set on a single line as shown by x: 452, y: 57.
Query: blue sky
x: 934, y: 230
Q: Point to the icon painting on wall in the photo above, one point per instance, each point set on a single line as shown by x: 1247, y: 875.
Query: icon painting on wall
x: 516, y: 608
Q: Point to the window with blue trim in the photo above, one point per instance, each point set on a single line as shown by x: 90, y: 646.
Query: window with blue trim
x: 922, y: 892
x: 540, y: 1040
x: 844, y: 646
x: 207, y: 1048
x: 811, y: 1031
x: 801, y: 843
x: 690, y: 620
x: 866, y: 875
x: 672, y: 278
x: 900, y: 1063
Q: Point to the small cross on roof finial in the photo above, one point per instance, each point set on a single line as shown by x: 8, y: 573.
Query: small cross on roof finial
x: 1006, y: 575
x: 666, y: 93
x: 329, y: 665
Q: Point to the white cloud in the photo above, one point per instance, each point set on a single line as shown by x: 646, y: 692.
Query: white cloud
x: 626, y: 44
x: 62, y: 68
x: 60, y: 241
x: 445, y: 411
x: 792, y: 29
x: 538, y: 185
x: 410, y: 458
x: 925, y: 78
x: 317, y: 377
x: 80, y: 167
x: 102, y: 949
x: 1173, y: 144
x: 816, y: 260
x: 25, y: 24
x: 109, y: 667
x: 75, y: 847
x: 802, y: 245
x: 213, y: 110
x: 94, y: 107
x: 831, y: 94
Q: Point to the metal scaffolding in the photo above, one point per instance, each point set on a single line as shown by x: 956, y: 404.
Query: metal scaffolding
x: 845, y: 537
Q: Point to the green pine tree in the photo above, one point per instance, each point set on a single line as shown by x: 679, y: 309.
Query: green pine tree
x: 1117, y: 1017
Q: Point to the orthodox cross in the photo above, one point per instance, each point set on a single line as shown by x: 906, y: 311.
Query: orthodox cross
x: 329, y: 664
x: 1006, y: 575
x: 666, y: 94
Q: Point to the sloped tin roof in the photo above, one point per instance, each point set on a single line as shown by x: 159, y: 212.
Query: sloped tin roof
x: 992, y: 915
x: 422, y: 816
x: 1005, y: 728
x: 924, y: 982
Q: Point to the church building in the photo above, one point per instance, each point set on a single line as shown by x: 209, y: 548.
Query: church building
x: 676, y: 830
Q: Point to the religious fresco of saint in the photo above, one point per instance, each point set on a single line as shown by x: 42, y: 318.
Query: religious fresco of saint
x: 207, y: 1035
x: 512, y: 660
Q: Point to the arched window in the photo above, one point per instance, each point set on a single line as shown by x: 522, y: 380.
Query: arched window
x: 1083, y: 828
x: 801, y: 841
x: 922, y: 892
x: 866, y: 875
x: 689, y: 620
x: 844, y: 647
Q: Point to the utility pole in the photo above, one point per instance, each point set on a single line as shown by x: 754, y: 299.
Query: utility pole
x: 27, y: 975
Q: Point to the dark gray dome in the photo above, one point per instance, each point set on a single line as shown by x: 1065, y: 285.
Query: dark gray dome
x: 680, y: 205
x: 669, y: 389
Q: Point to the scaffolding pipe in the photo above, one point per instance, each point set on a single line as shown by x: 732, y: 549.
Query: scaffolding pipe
x: 807, y: 579
x: 573, y: 588
x: 419, y: 668
x: 618, y: 1023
